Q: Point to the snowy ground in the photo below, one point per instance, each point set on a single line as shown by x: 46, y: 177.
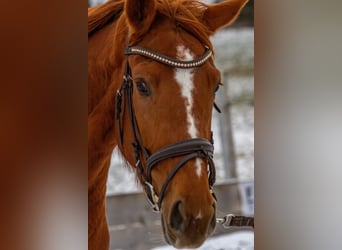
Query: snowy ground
x: 243, y: 240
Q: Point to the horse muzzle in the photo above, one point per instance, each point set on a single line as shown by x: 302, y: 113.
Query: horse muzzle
x: 186, y: 227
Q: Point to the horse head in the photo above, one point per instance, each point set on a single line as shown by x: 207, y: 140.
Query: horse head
x: 164, y: 110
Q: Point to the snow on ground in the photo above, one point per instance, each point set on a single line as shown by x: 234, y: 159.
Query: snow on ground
x: 242, y: 240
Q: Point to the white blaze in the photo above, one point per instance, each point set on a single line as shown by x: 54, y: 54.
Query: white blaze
x: 199, y: 215
x: 184, y: 78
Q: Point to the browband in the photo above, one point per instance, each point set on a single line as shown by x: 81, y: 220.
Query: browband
x: 169, y: 61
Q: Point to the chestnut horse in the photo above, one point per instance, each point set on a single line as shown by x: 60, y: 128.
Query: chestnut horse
x: 152, y: 80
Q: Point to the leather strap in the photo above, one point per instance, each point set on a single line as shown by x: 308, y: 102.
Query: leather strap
x: 241, y: 221
x: 191, y: 148
x: 231, y: 220
x: 179, y: 149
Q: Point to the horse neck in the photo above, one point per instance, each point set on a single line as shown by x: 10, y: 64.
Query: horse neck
x: 105, y: 66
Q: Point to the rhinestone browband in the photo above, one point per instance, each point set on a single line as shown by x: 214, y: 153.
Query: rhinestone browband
x: 137, y: 50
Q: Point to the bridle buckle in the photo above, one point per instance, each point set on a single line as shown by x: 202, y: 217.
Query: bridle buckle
x: 225, y: 221
x: 153, y: 198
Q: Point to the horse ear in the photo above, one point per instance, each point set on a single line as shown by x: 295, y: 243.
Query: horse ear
x: 218, y: 15
x: 140, y: 14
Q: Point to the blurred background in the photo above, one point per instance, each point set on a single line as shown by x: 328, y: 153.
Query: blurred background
x: 297, y: 121
x: 127, y: 208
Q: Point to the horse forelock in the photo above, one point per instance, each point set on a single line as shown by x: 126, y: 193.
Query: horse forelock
x: 186, y: 14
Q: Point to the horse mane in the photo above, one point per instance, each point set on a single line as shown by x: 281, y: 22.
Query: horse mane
x: 185, y: 13
x: 100, y: 15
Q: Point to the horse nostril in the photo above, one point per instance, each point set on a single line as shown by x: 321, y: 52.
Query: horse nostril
x: 176, y: 218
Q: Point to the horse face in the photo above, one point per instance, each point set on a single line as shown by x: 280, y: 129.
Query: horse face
x: 172, y: 105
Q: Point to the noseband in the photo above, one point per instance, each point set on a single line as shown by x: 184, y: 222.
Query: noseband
x: 188, y: 149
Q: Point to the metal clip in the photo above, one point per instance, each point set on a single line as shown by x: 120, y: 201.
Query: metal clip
x: 225, y: 221
x: 127, y: 78
x: 154, y: 196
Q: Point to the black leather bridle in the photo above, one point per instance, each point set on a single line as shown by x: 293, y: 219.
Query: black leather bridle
x: 189, y: 149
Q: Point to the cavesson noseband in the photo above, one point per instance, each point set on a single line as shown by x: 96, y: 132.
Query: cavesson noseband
x: 189, y: 149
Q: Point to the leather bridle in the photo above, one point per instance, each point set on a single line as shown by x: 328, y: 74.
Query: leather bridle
x: 189, y: 149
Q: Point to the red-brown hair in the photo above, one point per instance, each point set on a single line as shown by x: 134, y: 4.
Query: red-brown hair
x: 185, y: 13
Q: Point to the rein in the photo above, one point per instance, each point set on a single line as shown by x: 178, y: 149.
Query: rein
x: 231, y: 220
x: 189, y: 149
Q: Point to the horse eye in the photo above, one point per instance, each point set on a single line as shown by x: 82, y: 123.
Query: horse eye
x: 216, y: 88
x: 143, y: 88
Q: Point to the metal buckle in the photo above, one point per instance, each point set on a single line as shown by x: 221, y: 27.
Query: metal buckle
x: 154, y: 196
x: 225, y: 221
